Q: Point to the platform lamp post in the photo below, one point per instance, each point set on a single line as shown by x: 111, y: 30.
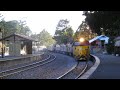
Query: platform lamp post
x: 2, y: 43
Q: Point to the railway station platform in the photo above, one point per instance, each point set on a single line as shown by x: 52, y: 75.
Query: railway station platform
x: 109, y: 67
x: 6, y: 58
x: 9, y: 61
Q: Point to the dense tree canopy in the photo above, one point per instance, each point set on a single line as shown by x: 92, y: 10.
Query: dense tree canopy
x: 84, y: 31
x: 104, y: 21
x: 10, y: 27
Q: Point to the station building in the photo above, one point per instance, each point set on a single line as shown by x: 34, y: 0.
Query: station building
x: 98, y: 43
x: 17, y: 45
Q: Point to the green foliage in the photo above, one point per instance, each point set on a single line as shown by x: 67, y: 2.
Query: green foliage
x: 34, y: 36
x: 104, y: 21
x: 62, y: 24
x: 44, y: 38
x: 84, y: 31
x: 14, y: 26
x: 110, y: 46
x: 63, y: 33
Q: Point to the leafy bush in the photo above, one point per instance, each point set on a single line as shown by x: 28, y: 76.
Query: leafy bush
x: 110, y: 46
x: 110, y: 49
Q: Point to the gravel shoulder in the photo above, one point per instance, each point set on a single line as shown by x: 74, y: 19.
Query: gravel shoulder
x: 52, y: 70
x: 5, y: 66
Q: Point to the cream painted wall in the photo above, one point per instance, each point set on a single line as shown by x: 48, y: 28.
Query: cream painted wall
x: 14, y: 48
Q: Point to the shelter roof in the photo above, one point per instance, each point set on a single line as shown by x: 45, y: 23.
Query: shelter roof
x: 101, y: 37
x: 18, y: 37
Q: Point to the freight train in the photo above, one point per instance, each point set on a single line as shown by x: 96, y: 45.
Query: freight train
x: 80, y: 50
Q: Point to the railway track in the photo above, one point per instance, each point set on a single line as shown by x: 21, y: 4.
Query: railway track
x: 13, y: 71
x: 76, y: 71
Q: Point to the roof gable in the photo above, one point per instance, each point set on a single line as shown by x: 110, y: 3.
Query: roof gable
x: 17, y: 37
x: 101, y: 37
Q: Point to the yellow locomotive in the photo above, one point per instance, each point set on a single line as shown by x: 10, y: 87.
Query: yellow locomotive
x: 81, y: 49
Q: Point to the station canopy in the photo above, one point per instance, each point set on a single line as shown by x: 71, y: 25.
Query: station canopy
x: 101, y: 37
x: 17, y: 37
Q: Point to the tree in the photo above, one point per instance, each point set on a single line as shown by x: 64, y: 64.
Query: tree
x: 34, y: 36
x: 14, y: 26
x: 84, y: 31
x: 104, y: 21
x: 69, y: 34
x: 62, y: 24
x: 64, y: 33
x: 44, y: 38
x: 10, y: 27
x: 23, y: 29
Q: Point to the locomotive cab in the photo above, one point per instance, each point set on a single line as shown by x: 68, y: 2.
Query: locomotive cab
x: 81, y: 49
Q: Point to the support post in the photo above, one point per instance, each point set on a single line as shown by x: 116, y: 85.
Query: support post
x: 2, y: 32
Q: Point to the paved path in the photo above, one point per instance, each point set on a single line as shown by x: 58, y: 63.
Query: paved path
x: 109, y: 67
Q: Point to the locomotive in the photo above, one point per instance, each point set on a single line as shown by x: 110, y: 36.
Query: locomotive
x: 81, y: 50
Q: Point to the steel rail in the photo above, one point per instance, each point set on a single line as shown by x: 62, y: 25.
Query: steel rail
x: 72, y: 69
x: 27, y: 67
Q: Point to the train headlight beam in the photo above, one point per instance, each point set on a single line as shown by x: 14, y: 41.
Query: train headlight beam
x: 81, y: 39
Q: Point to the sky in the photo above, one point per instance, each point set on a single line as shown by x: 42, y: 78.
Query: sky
x: 48, y: 20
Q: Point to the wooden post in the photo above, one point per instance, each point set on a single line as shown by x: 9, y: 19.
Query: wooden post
x: 14, y: 45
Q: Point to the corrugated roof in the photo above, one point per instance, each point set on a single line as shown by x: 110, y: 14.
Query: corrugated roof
x: 21, y: 37
x: 101, y: 37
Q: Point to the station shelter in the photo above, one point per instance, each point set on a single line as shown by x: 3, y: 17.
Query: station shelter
x: 18, y: 45
x: 99, y: 42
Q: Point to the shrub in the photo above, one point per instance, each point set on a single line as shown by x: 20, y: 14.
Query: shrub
x: 110, y: 46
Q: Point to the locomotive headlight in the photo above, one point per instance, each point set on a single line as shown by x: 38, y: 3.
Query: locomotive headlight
x: 81, y: 39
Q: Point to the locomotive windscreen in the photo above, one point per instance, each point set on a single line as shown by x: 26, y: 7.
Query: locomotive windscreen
x: 81, y: 43
x: 76, y: 43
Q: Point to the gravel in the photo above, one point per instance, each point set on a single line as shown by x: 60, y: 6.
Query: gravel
x: 75, y: 72
x: 52, y: 70
x: 21, y: 64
